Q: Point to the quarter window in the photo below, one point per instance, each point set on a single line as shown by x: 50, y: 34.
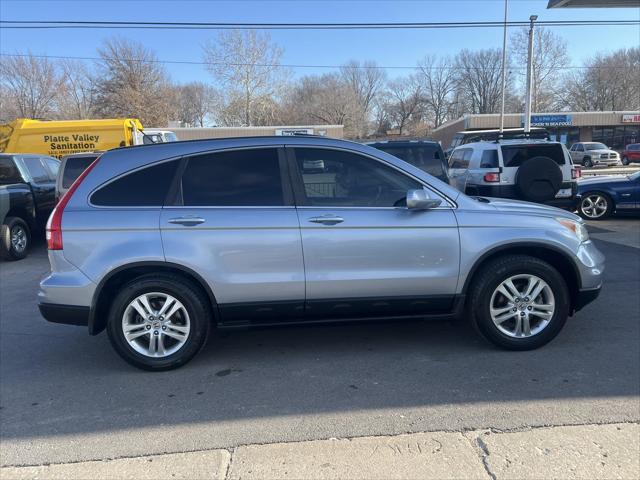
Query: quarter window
x: 489, y: 159
x: 239, y: 178
x: 335, y: 178
x: 147, y: 187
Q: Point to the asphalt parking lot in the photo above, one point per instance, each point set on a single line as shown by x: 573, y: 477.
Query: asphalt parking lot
x: 66, y: 396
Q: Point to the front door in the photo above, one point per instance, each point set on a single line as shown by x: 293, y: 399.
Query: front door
x: 234, y: 222
x: 365, y: 253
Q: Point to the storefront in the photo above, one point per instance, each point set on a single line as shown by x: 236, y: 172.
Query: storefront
x: 615, y: 129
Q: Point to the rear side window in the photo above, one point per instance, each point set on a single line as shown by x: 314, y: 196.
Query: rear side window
x: 516, y: 155
x: 36, y: 169
x: 9, y: 173
x: 489, y: 159
x: 460, y: 158
x: 240, y: 178
x: 147, y: 187
x: 73, y: 167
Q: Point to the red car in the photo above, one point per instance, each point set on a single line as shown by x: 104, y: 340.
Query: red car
x: 631, y: 154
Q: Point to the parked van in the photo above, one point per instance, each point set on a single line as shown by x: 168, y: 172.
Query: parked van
x: 58, y: 138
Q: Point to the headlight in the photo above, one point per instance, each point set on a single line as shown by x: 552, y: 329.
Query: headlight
x: 578, y: 228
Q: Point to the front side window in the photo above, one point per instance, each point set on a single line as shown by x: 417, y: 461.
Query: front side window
x: 239, y: 178
x: 335, y: 178
x: 9, y: 173
x: 147, y: 187
x: 580, y: 148
x: 37, y: 171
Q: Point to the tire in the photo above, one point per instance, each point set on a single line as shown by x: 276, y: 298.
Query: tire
x: 538, y: 179
x: 194, y: 318
x: 15, y: 239
x: 483, y: 293
x: 595, y: 206
x: 625, y: 161
x: 586, y: 162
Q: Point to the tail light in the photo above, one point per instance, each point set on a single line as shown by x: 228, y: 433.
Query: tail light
x: 54, y: 224
x: 576, y: 173
x: 492, y: 177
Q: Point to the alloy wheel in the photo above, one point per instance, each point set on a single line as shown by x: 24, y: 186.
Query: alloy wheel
x: 18, y: 238
x: 594, y: 206
x: 522, y: 306
x: 156, y: 324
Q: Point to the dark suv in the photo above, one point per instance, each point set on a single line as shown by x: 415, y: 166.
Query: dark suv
x: 424, y: 154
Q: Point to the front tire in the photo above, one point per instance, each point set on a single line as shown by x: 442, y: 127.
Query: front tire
x: 519, y: 302
x: 595, y: 206
x: 15, y: 239
x: 159, y: 322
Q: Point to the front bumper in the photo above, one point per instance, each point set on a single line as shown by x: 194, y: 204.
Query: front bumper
x: 67, y: 314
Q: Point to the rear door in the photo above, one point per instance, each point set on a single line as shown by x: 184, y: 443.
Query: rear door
x: 233, y: 220
x: 365, y: 253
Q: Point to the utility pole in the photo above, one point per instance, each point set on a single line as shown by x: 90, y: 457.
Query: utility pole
x: 527, y: 113
x: 504, y: 65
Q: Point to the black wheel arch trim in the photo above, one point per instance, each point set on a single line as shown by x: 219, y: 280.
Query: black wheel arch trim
x: 514, y: 246
x: 95, y: 328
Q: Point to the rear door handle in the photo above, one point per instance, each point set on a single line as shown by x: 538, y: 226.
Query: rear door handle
x: 327, y: 219
x: 188, y: 221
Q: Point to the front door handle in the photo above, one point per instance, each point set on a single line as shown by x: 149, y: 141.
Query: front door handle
x: 327, y: 219
x: 188, y: 221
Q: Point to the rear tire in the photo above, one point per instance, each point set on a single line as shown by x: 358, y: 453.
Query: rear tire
x: 154, y: 342
x: 540, y: 317
x: 15, y: 239
x: 587, y: 162
x: 625, y: 161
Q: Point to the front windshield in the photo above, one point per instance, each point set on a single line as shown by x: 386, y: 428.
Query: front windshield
x: 595, y: 146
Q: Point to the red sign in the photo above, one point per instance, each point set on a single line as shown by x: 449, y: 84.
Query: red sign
x: 631, y: 118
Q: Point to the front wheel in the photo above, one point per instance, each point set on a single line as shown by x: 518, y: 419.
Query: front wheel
x: 15, y: 239
x: 595, y: 206
x: 519, y: 302
x: 159, y: 322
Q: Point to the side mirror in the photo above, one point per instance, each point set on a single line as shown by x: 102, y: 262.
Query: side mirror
x: 420, y: 200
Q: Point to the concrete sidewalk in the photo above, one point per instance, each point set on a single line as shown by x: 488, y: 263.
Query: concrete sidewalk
x: 568, y: 452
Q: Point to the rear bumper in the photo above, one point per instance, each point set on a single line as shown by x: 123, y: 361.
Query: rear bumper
x: 67, y: 314
x: 585, y: 297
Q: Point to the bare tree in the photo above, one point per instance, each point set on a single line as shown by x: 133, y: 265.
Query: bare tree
x: 607, y: 82
x: 478, y: 79
x: 549, y: 57
x: 132, y: 83
x: 363, y: 82
x: 196, y: 103
x: 439, y: 84
x: 247, y: 65
x: 31, y: 84
x: 78, y: 100
x: 405, y: 103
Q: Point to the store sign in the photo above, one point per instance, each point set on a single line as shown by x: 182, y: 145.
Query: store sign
x: 631, y: 118
x: 289, y: 132
x: 550, y: 120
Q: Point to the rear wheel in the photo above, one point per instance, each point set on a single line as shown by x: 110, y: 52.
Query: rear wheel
x: 625, y: 160
x: 159, y: 322
x: 587, y: 162
x: 595, y: 206
x: 519, y: 302
x: 15, y: 239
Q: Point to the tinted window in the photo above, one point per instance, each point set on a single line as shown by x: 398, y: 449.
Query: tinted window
x: 460, y: 158
x: 428, y: 158
x: 344, y: 179
x: 241, y: 178
x: 489, y: 159
x: 9, y: 173
x: 516, y: 155
x: 147, y: 187
x: 54, y: 166
x: 73, y: 167
x: 36, y: 169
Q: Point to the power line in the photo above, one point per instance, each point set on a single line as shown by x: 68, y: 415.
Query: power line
x: 64, y: 24
x: 285, y: 65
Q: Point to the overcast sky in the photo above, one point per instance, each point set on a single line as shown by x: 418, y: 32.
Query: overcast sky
x: 387, y: 47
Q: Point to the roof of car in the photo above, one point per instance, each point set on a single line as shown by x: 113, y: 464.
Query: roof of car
x: 403, y: 143
x: 492, y: 144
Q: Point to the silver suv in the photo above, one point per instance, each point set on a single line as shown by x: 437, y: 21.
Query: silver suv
x: 532, y: 170
x: 163, y: 244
